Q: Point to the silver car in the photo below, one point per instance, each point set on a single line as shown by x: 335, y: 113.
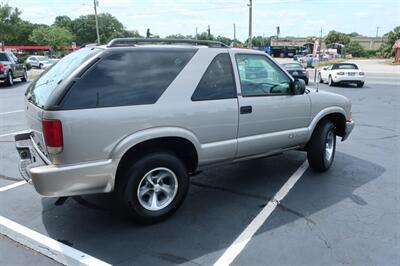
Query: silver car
x: 138, y: 119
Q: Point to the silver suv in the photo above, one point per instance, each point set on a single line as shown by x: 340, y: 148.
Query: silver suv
x: 137, y: 119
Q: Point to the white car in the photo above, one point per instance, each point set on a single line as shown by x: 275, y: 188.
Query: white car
x: 37, y: 61
x: 49, y: 63
x: 341, y: 73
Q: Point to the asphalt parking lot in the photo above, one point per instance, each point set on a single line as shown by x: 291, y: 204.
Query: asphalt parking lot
x: 349, y: 215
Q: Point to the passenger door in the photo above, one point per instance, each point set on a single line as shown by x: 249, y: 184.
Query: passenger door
x: 271, y: 116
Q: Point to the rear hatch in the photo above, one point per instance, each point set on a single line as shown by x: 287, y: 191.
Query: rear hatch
x: 39, y: 92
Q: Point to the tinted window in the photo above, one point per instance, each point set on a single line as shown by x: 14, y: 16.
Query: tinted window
x: 217, y: 82
x: 293, y: 66
x: 260, y: 77
x: 48, y: 81
x: 3, y: 57
x: 133, y: 77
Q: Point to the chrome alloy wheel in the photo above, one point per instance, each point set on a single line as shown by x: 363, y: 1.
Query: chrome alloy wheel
x: 329, y: 145
x: 157, y: 189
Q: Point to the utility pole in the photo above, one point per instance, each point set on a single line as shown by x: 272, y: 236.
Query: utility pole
x: 95, y: 5
x: 196, y: 33
x: 209, y: 32
x: 377, y: 31
x: 234, y: 31
x: 249, y: 44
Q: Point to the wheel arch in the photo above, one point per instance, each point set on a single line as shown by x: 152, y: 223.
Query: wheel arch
x: 180, y: 142
x: 336, y: 115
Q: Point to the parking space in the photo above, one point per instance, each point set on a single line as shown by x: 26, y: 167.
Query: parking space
x: 348, y: 215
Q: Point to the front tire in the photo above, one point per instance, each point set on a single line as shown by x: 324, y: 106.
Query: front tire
x: 320, y: 78
x: 154, y: 187
x: 330, y: 82
x: 322, y: 147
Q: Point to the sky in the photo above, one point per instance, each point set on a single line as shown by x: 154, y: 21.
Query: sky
x: 163, y: 17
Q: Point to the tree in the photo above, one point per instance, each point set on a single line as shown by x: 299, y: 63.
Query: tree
x: 354, y: 34
x: 386, y: 48
x: 355, y: 49
x: 224, y: 40
x: 205, y: 36
x: 84, y: 28
x: 63, y: 22
x: 336, y: 37
x: 9, y: 20
x: 55, y: 37
x: 260, y: 41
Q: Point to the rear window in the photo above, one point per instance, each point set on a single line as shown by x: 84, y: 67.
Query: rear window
x: 3, y: 57
x: 344, y: 66
x: 132, y: 77
x: 291, y: 66
x: 41, y: 89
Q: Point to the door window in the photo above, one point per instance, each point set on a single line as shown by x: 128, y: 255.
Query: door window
x: 217, y: 82
x: 261, y: 77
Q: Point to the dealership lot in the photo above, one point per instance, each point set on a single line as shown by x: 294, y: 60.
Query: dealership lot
x: 348, y: 215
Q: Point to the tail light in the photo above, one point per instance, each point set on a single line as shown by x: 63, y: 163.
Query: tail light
x: 1, y: 67
x: 361, y: 73
x: 340, y: 73
x: 53, y: 136
x: 349, y: 117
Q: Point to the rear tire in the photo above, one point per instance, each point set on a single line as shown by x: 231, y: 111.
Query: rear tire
x: 9, y: 79
x: 24, y: 77
x: 360, y: 84
x: 40, y: 66
x: 322, y: 147
x: 154, y: 187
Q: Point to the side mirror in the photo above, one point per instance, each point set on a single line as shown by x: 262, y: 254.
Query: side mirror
x: 298, y: 86
x: 324, y: 68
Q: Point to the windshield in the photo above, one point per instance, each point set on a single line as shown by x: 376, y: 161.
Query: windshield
x: 3, y: 57
x: 41, y: 89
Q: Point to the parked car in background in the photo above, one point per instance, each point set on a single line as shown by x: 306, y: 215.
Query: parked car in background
x: 143, y: 144
x: 11, y: 68
x: 297, y: 71
x: 305, y: 58
x: 49, y: 63
x: 37, y: 61
x: 297, y: 56
x: 342, y: 73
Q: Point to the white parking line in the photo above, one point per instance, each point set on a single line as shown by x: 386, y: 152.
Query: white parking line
x: 17, y: 184
x: 239, y: 244
x: 13, y: 133
x: 45, y: 245
x: 12, y: 112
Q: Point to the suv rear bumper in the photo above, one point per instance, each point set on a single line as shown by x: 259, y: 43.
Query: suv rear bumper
x: 62, y: 180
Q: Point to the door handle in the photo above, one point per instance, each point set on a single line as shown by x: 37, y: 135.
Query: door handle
x: 246, y: 109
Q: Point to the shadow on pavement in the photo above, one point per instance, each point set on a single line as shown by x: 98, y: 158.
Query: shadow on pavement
x: 221, y: 203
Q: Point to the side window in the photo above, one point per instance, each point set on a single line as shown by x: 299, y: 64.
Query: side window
x: 217, y: 82
x: 261, y: 77
x: 128, y: 78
